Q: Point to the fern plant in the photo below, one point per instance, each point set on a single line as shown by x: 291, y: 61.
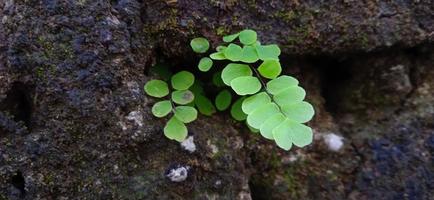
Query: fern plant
x: 177, y: 104
x: 270, y: 103
x: 274, y: 104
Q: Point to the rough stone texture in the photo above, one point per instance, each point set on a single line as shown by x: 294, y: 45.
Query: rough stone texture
x: 387, y: 151
x: 75, y: 124
x: 300, y: 27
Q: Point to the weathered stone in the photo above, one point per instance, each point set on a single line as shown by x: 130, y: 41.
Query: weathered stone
x: 75, y: 124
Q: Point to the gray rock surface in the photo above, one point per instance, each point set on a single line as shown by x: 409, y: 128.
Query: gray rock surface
x: 75, y: 123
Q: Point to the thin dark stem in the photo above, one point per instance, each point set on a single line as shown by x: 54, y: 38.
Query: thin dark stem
x: 262, y: 81
x: 266, y: 90
x: 171, y: 102
x: 173, y: 106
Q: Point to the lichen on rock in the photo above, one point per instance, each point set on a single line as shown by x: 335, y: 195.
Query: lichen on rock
x: 75, y: 124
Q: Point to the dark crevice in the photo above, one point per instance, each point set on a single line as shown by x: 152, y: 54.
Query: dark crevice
x: 8, y: 125
x: 178, y: 62
x: 411, y: 72
x: 256, y: 188
x: 414, y: 73
x: 387, y: 15
x: 338, y: 71
x: 334, y: 74
x: 258, y: 191
x: 18, y: 103
x: 19, y: 183
x: 361, y: 160
x: 260, y: 186
x: 189, y: 63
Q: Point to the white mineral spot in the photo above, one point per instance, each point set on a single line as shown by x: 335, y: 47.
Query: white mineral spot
x: 213, y: 147
x: 178, y: 174
x: 4, y: 19
x: 8, y: 4
x: 244, y: 195
x: 134, y: 87
x: 188, y: 144
x: 113, y: 21
x: 293, y: 158
x: 137, y: 117
x: 116, y: 169
x: 398, y: 68
x: 334, y: 142
x: 122, y: 125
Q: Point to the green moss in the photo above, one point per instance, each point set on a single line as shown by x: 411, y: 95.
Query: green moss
x: 46, y: 46
x: 294, y: 186
x: 300, y: 32
x: 234, y: 18
x: 65, y: 51
x: 40, y: 73
x: 299, y: 36
x: 81, y: 2
x: 169, y: 21
x: 275, y: 160
x: 226, y: 3
x: 286, y: 16
x: 49, y: 179
x: 332, y: 176
x: 363, y: 40
x: 54, y: 51
x: 291, y: 183
x: 191, y: 25
x: 252, y: 4
x: 43, y: 72
x: 221, y: 31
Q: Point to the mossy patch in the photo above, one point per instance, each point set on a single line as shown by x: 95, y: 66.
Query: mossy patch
x: 284, y: 15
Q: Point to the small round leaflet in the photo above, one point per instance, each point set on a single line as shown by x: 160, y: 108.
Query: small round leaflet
x: 182, y: 97
x: 268, y: 52
x: 205, y: 64
x: 218, y: 55
x: 248, y: 37
x: 245, y: 85
x: 236, y: 111
x: 232, y: 71
x: 300, y: 112
x: 157, y: 88
x: 301, y: 134
x: 260, y: 115
x: 270, y: 124
x: 233, y: 52
x: 204, y: 105
x: 282, y: 135
x: 290, y: 95
x: 185, y: 114
x: 162, y: 108
x: 199, y: 45
x: 252, y: 103
x: 175, y: 130
x: 182, y: 80
x: 223, y: 100
x: 281, y: 83
x: 230, y: 38
x: 270, y: 69
x: 249, y: 54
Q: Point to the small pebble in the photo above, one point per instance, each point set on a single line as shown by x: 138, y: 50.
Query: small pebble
x: 334, y: 142
x: 178, y: 174
x: 188, y: 144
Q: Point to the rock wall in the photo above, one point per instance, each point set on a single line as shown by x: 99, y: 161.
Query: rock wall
x: 75, y: 123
